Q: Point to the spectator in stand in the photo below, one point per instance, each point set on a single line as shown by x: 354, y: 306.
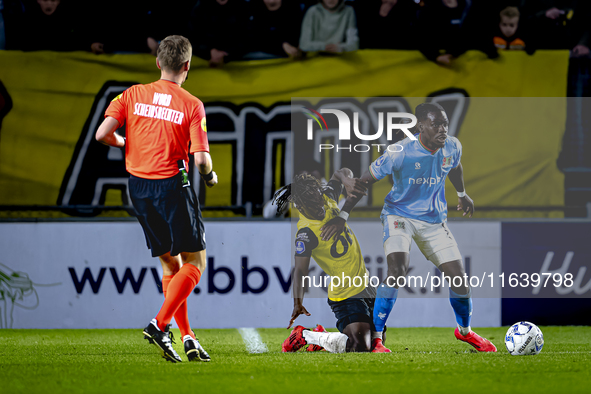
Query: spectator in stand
x: 131, y: 31
x: 2, y: 30
x: 48, y: 25
x: 448, y: 28
x: 561, y: 24
x: 387, y: 24
x: 13, y: 13
x: 329, y: 26
x: 275, y: 28
x: 509, y: 34
x: 217, y: 30
x: 170, y: 17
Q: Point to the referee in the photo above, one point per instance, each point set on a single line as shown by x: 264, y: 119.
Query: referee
x: 165, y: 124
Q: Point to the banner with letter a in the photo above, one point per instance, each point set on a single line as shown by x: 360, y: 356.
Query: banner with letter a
x: 54, y: 102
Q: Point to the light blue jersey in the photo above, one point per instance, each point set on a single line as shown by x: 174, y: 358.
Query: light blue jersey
x: 419, y: 179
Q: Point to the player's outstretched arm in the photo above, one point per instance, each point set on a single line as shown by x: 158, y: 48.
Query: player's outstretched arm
x: 366, y: 180
x: 106, y: 133
x: 336, y: 225
x: 205, y: 165
x: 353, y: 186
x: 465, y: 203
x: 302, y: 267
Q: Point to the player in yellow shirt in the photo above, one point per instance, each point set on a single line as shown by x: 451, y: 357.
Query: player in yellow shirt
x: 351, y: 297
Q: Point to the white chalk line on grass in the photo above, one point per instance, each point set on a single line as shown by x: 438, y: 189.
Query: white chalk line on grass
x: 567, y: 352
x: 252, y: 340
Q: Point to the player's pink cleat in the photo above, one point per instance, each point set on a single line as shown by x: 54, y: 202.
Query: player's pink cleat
x: 316, y: 348
x: 378, y: 347
x: 295, y: 341
x: 479, y: 343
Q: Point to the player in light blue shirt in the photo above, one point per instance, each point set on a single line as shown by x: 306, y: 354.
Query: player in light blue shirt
x: 419, y: 178
x: 416, y: 209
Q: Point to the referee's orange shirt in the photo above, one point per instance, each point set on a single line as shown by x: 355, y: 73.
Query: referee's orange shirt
x: 162, y: 119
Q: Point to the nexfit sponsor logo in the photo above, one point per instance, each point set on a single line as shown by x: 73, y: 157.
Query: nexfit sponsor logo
x: 344, y: 134
x: 424, y: 181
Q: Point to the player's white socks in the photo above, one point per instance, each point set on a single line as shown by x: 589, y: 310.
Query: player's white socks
x: 376, y: 334
x: 464, y: 330
x: 334, y: 342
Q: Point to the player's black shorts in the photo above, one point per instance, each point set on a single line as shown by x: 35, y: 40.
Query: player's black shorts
x: 358, y: 308
x: 169, y: 214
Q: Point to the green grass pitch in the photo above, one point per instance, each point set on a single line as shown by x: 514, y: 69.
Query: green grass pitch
x: 424, y: 360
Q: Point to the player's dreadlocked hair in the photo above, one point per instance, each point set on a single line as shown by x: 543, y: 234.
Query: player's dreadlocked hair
x: 304, y: 191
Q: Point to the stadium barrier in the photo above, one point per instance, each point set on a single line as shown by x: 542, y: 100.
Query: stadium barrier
x: 101, y: 275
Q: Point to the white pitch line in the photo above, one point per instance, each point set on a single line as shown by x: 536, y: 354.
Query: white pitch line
x: 567, y: 352
x: 252, y: 340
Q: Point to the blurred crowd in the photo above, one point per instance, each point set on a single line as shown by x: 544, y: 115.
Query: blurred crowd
x: 226, y: 30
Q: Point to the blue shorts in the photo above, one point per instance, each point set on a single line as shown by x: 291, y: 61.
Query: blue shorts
x: 169, y: 214
x: 358, y: 308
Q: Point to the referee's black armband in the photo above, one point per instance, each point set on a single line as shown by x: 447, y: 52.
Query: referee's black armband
x: 207, y: 177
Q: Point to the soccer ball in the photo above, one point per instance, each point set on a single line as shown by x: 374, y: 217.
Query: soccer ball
x: 524, y: 338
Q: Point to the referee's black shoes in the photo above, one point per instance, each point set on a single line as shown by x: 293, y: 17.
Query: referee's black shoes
x: 194, y: 350
x: 162, y: 340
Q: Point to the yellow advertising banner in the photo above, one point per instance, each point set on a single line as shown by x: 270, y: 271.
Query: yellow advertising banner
x: 510, y: 125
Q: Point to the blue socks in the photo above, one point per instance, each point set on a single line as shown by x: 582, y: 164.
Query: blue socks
x: 462, y: 305
x: 385, y: 299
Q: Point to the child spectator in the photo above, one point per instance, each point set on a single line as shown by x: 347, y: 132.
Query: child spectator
x: 275, y: 28
x: 329, y: 26
x: 507, y: 37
